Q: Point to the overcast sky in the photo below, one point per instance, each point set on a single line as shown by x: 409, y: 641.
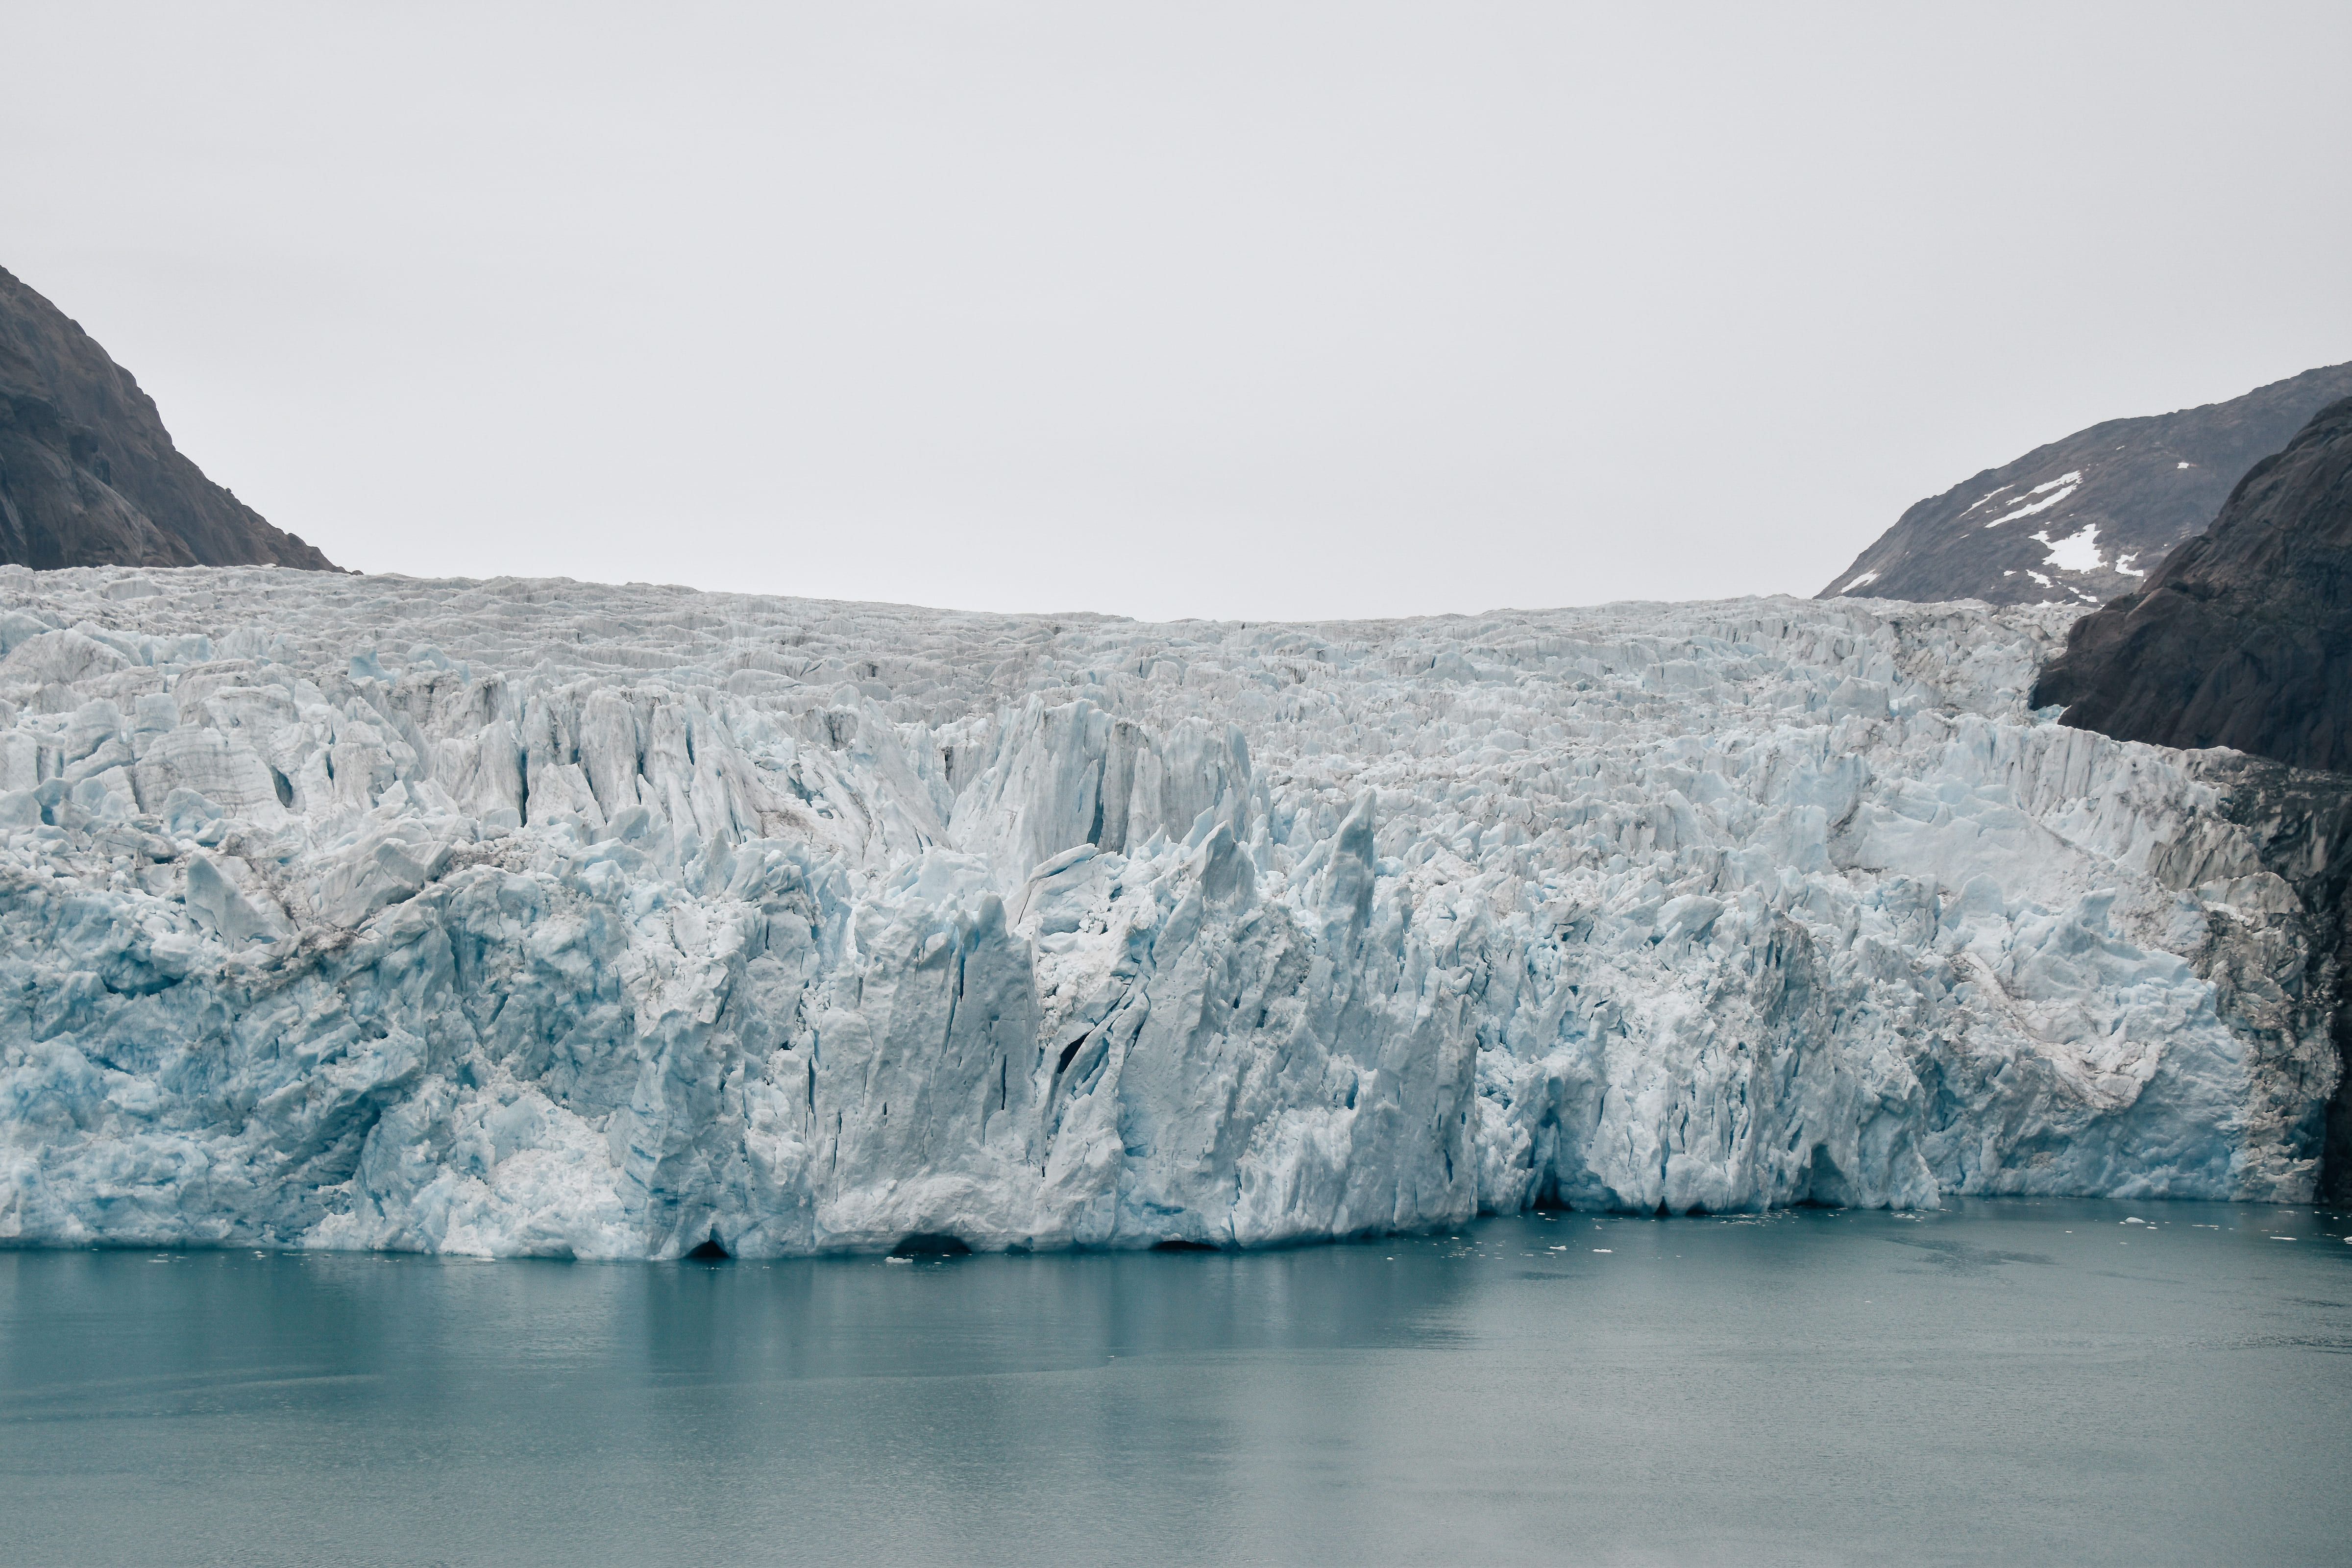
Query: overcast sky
x: 1238, y: 310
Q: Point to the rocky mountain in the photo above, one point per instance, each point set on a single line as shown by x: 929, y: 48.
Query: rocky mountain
x: 2085, y: 519
x: 89, y: 476
x: 2243, y: 638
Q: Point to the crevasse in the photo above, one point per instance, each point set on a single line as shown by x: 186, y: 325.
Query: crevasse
x: 528, y: 917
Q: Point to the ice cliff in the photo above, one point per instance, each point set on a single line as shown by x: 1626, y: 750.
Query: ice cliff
x: 545, y: 918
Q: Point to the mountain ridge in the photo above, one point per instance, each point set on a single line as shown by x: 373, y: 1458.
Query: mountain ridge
x: 89, y: 475
x: 2088, y: 517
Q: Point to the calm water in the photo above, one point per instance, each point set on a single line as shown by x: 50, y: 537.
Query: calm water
x: 2025, y: 1382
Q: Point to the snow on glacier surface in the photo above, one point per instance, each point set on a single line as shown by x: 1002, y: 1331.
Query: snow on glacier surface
x: 537, y: 917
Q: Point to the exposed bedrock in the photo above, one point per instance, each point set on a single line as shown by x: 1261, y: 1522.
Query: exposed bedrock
x: 87, y: 474
x: 542, y: 918
x: 2244, y: 638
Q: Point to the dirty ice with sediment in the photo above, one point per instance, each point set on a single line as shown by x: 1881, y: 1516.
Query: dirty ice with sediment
x: 544, y: 918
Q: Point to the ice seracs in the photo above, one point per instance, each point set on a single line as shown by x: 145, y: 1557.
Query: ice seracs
x: 546, y: 918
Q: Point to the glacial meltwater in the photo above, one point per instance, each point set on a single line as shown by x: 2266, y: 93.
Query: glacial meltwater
x: 2025, y: 1382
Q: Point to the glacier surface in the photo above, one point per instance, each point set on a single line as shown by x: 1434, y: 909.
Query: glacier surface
x: 546, y: 918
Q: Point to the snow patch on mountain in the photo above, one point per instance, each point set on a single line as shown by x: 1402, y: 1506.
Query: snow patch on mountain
x: 2064, y: 485
x: 2078, y: 552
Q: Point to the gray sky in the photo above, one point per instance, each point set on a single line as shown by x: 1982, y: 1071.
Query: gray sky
x: 1241, y: 311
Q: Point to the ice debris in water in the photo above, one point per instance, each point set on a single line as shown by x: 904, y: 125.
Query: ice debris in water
x: 521, y: 917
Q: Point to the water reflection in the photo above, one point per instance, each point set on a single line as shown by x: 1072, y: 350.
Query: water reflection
x: 2158, y: 1383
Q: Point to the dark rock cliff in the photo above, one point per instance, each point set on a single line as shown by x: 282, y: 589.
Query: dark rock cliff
x: 2090, y: 517
x: 2245, y: 639
x: 89, y: 476
x: 2302, y: 823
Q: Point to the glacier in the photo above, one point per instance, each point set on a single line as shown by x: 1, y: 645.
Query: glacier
x: 534, y: 917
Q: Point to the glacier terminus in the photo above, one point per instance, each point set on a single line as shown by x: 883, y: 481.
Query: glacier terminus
x: 526, y: 917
